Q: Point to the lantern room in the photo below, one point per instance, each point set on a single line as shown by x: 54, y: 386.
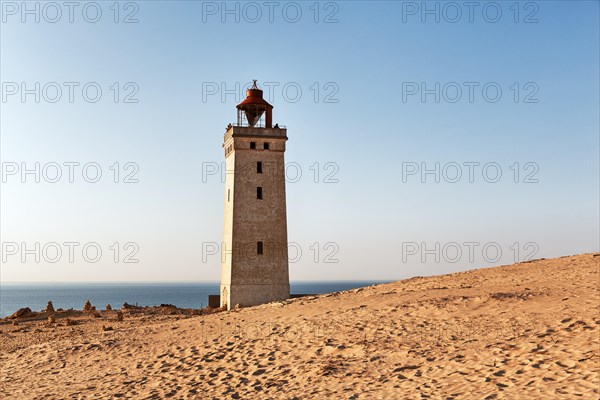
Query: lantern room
x: 255, y: 111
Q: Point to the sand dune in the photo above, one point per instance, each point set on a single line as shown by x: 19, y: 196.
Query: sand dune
x: 528, y: 330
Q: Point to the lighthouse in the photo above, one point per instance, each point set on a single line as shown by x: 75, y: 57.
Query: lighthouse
x: 254, y: 262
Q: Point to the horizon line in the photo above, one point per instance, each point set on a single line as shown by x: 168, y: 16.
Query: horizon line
x: 217, y: 282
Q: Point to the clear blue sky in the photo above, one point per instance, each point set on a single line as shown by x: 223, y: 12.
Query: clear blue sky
x: 369, y: 61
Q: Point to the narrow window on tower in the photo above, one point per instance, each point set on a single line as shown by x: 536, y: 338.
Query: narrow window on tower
x: 259, y: 167
x: 259, y: 248
x: 266, y: 146
x: 259, y: 193
x: 252, y: 145
x: 228, y: 194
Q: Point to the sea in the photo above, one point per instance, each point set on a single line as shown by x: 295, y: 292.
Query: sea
x: 184, y: 295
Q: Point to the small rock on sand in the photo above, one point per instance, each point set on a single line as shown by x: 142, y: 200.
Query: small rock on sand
x: 21, y: 313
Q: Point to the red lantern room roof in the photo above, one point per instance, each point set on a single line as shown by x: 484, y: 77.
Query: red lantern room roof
x: 254, y: 98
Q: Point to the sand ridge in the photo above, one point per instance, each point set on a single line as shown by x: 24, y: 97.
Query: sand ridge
x: 528, y: 330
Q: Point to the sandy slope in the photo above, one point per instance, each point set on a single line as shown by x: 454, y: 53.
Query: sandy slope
x: 528, y: 330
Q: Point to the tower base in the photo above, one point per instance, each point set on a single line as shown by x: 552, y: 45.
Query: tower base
x: 252, y: 295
